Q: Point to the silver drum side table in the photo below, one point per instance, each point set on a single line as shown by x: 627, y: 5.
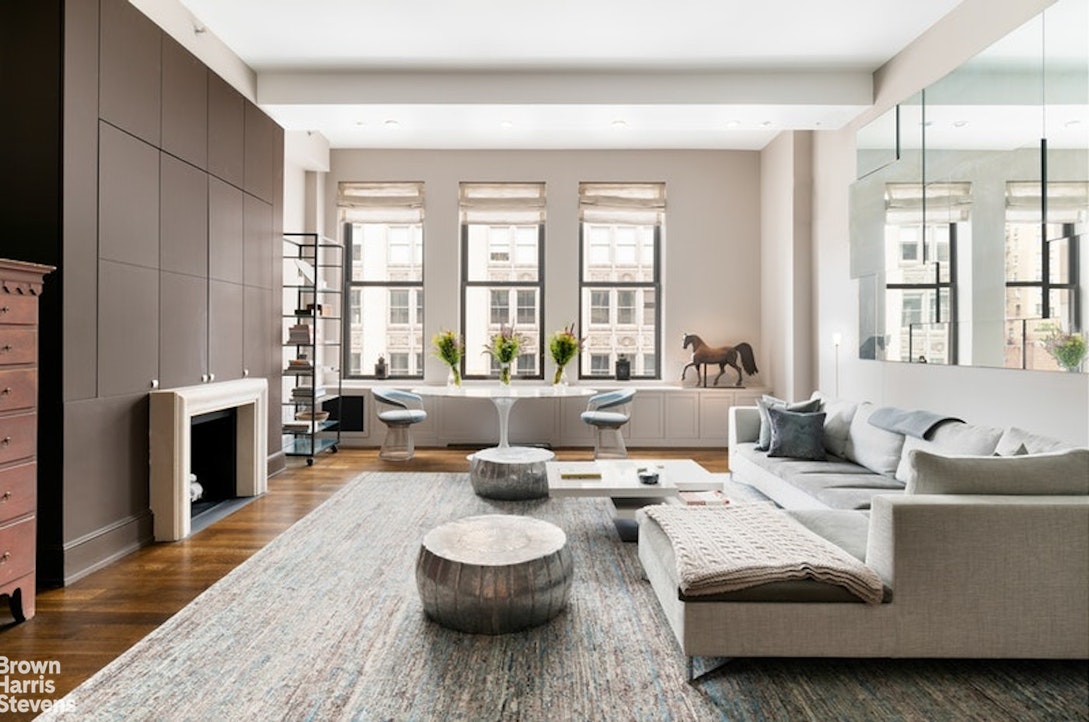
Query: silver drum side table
x: 513, y: 473
x: 494, y: 574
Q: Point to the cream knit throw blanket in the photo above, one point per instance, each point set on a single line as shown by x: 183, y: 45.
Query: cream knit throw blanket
x: 722, y: 549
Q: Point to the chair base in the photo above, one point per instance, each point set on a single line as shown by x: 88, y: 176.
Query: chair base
x: 609, y: 443
x: 398, y: 445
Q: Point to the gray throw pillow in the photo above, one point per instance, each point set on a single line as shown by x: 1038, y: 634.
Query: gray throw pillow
x: 767, y: 402
x: 1054, y: 472
x: 797, y: 435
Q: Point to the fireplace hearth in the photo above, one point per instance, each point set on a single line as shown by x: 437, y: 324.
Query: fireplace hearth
x: 218, y: 432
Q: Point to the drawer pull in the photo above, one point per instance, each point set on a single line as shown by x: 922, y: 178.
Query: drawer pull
x: 5, y: 441
x: 5, y: 496
x: 4, y: 309
x: 4, y: 557
x: 6, y: 347
x: 6, y: 391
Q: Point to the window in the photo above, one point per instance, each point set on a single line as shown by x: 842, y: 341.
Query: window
x: 620, y: 234
x: 502, y: 234
x: 920, y: 283
x: 383, y: 231
x: 1041, y: 266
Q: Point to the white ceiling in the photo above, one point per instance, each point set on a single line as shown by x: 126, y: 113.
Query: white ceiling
x: 563, y: 73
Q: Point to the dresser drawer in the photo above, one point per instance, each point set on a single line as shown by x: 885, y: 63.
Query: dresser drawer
x: 16, y: 550
x: 18, y: 389
x: 18, y: 345
x: 18, y: 437
x: 18, y: 491
x: 18, y: 309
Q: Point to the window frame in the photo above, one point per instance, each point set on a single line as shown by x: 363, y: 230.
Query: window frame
x: 612, y: 287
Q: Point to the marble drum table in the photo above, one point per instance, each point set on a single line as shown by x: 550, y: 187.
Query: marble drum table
x: 504, y: 471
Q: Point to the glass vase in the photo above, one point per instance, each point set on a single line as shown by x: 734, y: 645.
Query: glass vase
x: 504, y: 373
x: 453, y: 378
x: 560, y: 379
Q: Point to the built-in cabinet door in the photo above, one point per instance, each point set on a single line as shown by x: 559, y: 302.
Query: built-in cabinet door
x: 261, y: 149
x: 185, y: 104
x: 226, y: 329
x: 225, y: 211
x: 183, y: 219
x: 128, y: 328
x: 130, y: 70
x: 714, y: 415
x: 258, y: 251
x: 258, y: 327
x: 647, y: 423
x: 682, y: 417
x: 183, y: 330
x: 128, y: 198
x: 226, y: 131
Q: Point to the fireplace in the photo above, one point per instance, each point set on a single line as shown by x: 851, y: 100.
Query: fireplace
x: 212, y: 461
x: 231, y: 420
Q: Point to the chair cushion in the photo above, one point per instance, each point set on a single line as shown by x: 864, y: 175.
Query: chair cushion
x: 403, y: 416
x: 604, y: 418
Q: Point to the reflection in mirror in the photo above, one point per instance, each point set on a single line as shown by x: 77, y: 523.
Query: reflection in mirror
x: 975, y: 263
x: 877, y: 143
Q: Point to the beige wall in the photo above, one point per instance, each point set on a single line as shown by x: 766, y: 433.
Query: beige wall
x: 711, y: 259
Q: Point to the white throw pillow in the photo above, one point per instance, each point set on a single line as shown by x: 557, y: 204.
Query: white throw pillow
x: 952, y: 438
x: 1014, y: 438
x: 838, y: 414
x: 876, y: 449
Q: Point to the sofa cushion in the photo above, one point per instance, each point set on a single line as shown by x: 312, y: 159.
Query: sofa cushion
x: 846, y: 529
x: 766, y: 402
x: 845, y: 491
x: 952, y: 438
x: 1051, y: 473
x: 876, y: 449
x: 837, y: 421
x: 796, y: 435
x: 1014, y: 438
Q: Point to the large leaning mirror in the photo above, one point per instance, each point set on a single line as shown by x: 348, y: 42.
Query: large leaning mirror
x: 966, y: 246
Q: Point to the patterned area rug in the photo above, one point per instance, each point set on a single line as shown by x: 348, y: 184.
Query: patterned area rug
x: 325, y: 623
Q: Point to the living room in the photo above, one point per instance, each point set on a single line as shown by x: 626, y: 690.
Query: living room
x: 758, y: 251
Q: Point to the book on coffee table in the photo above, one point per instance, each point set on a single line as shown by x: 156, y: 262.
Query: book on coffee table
x: 714, y: 497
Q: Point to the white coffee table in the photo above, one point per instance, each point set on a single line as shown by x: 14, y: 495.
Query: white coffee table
x: 618, y: 479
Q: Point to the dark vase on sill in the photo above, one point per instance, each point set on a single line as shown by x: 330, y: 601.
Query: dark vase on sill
x: 623, y: 369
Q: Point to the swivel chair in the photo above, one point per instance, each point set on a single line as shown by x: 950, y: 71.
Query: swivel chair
x: 405, y: 410
x: 608, y: 441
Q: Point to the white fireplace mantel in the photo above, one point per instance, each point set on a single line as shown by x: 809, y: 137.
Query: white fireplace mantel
x: 172, y: 412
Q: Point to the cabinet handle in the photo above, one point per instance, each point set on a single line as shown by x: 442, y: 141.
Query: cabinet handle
x: 4, y: 309
x: 6, y: 347
x: 4, y: 557
x: 6, y: 391
x: 5, y: 441
x: 5, y: 496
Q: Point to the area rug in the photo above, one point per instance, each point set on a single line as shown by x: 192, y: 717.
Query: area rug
x: 325, y: 624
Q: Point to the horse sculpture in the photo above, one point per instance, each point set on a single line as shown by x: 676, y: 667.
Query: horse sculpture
x: 723, y: 356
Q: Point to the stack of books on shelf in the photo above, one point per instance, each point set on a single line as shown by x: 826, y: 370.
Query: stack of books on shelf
x: 307, y: 393
x: 299, y: 334
x: 299, y: 365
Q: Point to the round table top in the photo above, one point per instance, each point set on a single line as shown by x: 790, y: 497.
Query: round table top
x: 495, y: 540
x: 498, y: 391
x: 514, y: 455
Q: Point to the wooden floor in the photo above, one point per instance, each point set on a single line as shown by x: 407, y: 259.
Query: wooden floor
x: 86, y: 625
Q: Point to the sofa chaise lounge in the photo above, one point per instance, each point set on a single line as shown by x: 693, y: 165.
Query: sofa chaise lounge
x: 980, y: 536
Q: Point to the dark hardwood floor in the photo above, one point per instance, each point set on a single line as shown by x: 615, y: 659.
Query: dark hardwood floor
x: 87, y: 624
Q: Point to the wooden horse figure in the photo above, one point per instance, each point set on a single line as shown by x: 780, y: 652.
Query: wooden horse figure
x: 723, y: 356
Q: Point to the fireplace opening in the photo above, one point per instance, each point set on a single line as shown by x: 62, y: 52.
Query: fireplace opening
x: 213, y: 465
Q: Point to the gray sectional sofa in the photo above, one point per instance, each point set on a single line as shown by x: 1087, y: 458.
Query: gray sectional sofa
x: 980, y: 535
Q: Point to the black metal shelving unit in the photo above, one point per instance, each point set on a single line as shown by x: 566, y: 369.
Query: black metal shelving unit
x: 312, y: 376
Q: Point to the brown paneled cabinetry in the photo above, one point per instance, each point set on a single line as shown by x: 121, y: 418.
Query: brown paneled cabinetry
x: 20, y: 285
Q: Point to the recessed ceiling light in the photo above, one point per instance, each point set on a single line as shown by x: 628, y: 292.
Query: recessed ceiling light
x: 505, y: 124
x: 620, y: 124
x: 766, y: 124
x: 392, y: 124
x: 959, y: 123
x: 1072, y: 123
x: 361, y: 122
x: 733, y: 123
